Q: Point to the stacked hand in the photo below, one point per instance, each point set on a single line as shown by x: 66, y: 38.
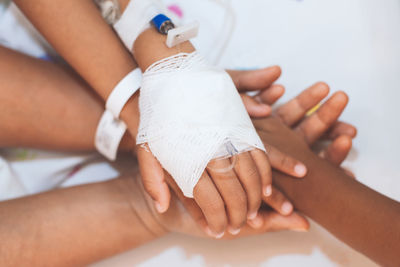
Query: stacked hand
x: 274, y: 131
x: 228, y: 199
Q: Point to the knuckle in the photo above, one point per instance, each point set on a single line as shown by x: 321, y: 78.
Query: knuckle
x: 252, y: 172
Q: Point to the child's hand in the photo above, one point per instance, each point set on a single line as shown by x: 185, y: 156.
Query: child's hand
x: 239, y: 190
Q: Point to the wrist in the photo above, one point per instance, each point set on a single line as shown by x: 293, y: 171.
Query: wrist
x: 303, y: 192
x: 151, y: 47
x: 130, y: 115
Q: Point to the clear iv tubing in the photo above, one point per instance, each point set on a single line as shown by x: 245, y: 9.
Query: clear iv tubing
x: 226, y: 30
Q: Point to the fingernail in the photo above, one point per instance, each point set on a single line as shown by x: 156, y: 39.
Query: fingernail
x: 219, y: 236
x: 287, y: 208
x: 211, y: 233
x: 268, y: 191
x: 159, y: 207
x: 300, y: 170
x: 233, y: 231
x: 256, y: 222
x: 252, y: 215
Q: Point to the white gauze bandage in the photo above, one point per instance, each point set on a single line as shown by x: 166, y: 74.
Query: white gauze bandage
x: 191, y: 113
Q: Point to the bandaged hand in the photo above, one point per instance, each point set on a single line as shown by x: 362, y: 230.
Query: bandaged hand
x: 229, y: 197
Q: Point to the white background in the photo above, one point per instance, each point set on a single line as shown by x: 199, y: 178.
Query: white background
x: 353, y: 45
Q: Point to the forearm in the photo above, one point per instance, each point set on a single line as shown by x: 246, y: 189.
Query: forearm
x: 364, y: 219
x: 47, y: 106
x: 75, y: 226
x: 80, y: 35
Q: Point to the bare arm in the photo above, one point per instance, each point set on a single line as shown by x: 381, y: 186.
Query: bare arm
x: 361, y: 217
x: 44, y: 105
x: 75, y: 226
x: 82, y: 37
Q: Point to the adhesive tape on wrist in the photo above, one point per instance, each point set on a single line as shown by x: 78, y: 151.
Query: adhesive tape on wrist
x: 123, y: 91
x: 109, y: 134
x: 191, y: 113
x: 136, y: 19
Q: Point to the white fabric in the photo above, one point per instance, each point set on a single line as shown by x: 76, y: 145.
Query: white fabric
x: 10, y: 187
x: 109, y: 9
x: 109, y: 134
x: 124, y: 90
x: 136, y: 19
x: 191, y: 113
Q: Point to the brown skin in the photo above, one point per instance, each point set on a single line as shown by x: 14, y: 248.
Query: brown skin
x: 46, y: 207
x: 62, y: 85
x: 100, y: 219
x: 354, y: 240
x: 93, y: 50
x: 124, y: 207
x: 62, y: 95
x: 366, y: 220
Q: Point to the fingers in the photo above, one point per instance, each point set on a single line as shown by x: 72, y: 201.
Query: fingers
x: 312, y: 128
x: 254, y: 108
x: 153, y: 179
x: 279, y: 202
x: 190, y: 205
x: 270, y: 221
x: 231, y: 191
x: 273, y: 221
x: 212, y: 206
x: 342, y: 128
x: 294, y: 110
x: 338, y: 150
x: 285, y: 163
x: 253, y: 80
x: 271, y: 94
x: 249, y: 176
x: 263, y: 165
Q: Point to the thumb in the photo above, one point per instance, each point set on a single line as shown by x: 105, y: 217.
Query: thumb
x: 154, y: 179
